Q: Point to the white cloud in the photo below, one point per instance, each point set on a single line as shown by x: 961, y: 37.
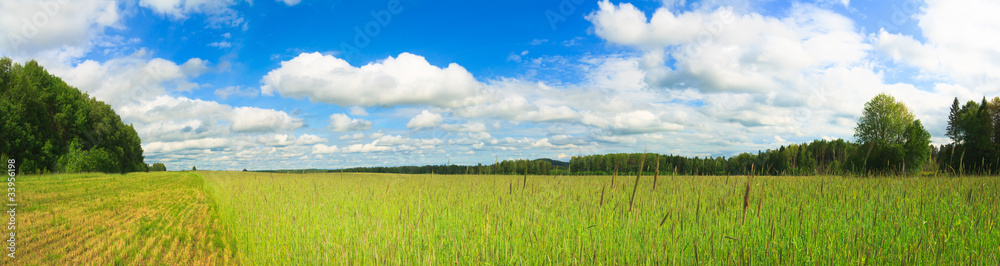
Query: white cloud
x: 224, y: 93
x: 358, y: 110
x: 166, y: 108
x: 208, y: 113
x: 342, y: 123
x: 290, y: 2
x: 723, y: 51
x: 64, y: 28
x: 425, y: 119
x: 253, y: 119
x: 405, y: 80
x: 518, y: 100
x: 167, y: 147
x: 634, y: 122
x: 468, y: 127
x: 221, y: 45
x: 323, y: 149
x: 282, y: 140
x: 219, y: 13
x: 131, y: 79
x: 364, y: 148
x: 961, y: 43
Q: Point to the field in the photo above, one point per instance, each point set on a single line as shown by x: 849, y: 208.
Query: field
x: 140, y: 218
x: 263, y: 218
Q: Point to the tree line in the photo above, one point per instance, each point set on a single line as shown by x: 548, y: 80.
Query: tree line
x: 974, y: 129
x: 888, y: 141
x: 49, y: 126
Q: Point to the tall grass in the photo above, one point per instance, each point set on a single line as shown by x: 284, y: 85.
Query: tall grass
x: 423, y: 219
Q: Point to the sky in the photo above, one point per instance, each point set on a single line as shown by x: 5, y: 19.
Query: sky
x: 289, y: 84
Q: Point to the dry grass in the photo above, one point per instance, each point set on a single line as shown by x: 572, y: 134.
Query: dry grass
x: 138, y: 219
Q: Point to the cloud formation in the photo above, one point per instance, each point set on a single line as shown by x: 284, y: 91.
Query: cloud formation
x: 407, y: 79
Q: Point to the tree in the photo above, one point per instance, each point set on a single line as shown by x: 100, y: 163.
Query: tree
x: 50, y: 126
x: 953, y: 131
x: 994, y: 108
x: 886, y: 127
x: 917, y: 147
x: 884, y: 121
x: 194, y: 168
x: 158, y: 167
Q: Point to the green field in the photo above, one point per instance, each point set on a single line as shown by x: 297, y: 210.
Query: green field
x: 263, y: 218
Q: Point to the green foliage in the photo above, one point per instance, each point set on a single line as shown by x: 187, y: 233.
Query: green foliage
x: 953, y: 115
x: 44, y: 117
x: 917, y: 147
x: 194, y: 168
x: 93, y: 160
x: 884, y: 121
x: 157, y: 167
x: 976, y: 147
x: 896, y: 142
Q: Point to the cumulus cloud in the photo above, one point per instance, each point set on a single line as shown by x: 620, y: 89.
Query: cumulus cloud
x: 282, y: 140
x: 65, y: 28
x: 167, y: 147
x: 240, y: 119
x: 425, y: 119
x: 342, y: 123
x: 404, y: 80
x: 358, y: 110
x: 131, y: 79
x: 724, y: 51
x: 961, y: 43
x: 382, y: 144
x: 468, y: 127
x: 253, y: 119
x: 634, y: 122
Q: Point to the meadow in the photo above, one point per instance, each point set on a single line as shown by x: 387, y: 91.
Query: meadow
x: 358, y: 218
x: 435, y: 219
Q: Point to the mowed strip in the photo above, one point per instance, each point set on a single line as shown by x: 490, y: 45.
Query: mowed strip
x: 139, y: 218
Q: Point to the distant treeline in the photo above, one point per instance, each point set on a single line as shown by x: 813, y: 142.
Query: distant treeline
x: 48, y: 126
x: 892, y: 142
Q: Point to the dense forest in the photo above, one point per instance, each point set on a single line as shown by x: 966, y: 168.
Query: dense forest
x: 49, y: 126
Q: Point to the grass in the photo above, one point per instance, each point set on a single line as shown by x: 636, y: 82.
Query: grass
x: 142, y: 218
x: 264, y: 219
x: 409, y: 219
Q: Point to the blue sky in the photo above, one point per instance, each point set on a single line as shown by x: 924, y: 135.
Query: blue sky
x: 226, y: 84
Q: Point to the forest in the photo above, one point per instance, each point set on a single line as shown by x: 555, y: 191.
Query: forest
x: 49, y: 126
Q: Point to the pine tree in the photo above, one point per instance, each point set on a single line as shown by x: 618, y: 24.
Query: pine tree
x: 953, y: 130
